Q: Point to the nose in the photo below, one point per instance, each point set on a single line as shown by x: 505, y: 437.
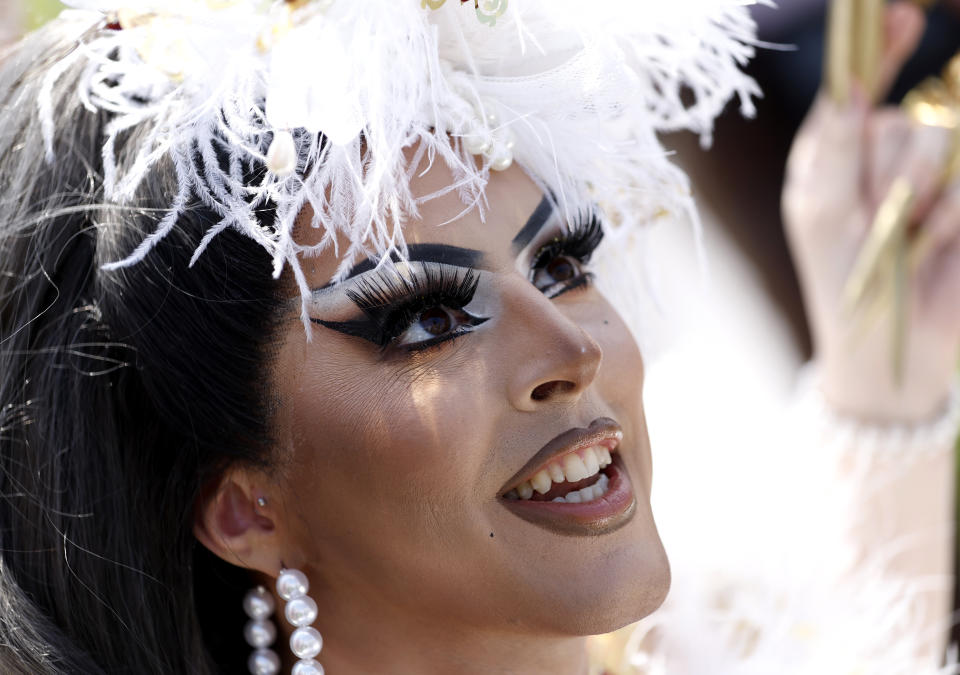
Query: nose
x: 554, y: 359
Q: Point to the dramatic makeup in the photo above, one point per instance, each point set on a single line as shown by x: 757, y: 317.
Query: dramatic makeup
x: 420, y: 303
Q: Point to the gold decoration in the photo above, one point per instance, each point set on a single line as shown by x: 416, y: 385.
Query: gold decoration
x: 285, y: 17
x: 128, y: 19
x: 880, y: 277
x: 160, y: 42
x: 488, y: 11
x: 273, y: 34
x: 889, y: 224
x: 220, y: 4
x: 936, y: 102
x: 854, y: 45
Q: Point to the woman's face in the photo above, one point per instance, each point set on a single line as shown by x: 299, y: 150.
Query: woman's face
x: 408, y: 456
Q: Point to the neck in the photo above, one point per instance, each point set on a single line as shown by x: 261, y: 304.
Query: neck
x: 361, y: 637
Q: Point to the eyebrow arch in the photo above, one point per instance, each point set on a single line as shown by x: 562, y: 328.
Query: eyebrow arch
x: 537, y: 220
x: 436, y: 253
x: 461, y: 257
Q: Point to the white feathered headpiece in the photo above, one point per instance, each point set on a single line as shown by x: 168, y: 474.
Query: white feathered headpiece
x: 327, y: 94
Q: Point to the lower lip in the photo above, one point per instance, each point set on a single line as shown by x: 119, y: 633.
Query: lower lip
x: 601, y: 516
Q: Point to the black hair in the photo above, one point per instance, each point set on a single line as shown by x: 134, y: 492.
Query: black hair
x: 122, y: 395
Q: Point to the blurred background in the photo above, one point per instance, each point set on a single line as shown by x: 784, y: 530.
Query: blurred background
x: 738, y: 182
x: 17, y: 16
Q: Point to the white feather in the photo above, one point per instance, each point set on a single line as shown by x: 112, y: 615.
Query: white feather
x: 584, y: 87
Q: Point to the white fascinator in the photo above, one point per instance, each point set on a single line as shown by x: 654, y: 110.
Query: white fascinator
x: 338, y: 101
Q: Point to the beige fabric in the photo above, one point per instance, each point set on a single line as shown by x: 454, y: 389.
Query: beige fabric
x: 909, y: 514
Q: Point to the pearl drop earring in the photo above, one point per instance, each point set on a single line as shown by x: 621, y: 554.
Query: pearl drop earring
x: 301, y: 611
x: 260, y: 632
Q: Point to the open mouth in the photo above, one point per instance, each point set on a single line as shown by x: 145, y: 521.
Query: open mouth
x: 574, y: 478
x: 576, y: 484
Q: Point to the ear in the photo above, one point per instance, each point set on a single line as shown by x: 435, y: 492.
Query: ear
x: 229, y: 521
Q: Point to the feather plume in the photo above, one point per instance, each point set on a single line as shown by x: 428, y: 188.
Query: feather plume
x: 584, y: 87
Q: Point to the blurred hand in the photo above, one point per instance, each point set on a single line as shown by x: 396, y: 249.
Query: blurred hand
x: 842, y: 164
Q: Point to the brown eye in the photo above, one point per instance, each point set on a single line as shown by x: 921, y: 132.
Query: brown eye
x: 561, y: 269
x: 435, y: 321
x: 558, y: 273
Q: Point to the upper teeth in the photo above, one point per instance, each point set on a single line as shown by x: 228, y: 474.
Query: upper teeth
x: 569, y: 468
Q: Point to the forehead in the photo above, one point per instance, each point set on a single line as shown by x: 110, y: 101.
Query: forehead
x: 509, y: 200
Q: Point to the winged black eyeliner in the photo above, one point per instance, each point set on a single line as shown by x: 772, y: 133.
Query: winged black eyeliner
x: 390, y: 304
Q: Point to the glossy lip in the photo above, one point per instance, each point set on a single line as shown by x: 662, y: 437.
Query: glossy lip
x: 609, y: 513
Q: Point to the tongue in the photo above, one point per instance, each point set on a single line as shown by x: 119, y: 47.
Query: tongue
x: 562, y: 489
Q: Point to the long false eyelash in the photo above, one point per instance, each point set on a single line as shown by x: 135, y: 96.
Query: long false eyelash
x: 391, y: 302
x: 442, y: 283
x: 579, y: 242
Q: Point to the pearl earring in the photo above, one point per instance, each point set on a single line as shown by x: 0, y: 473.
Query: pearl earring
x: 260, y: 632
x: 301, y: 611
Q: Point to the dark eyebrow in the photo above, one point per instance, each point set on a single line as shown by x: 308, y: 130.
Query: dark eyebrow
x: 461, y: 257
x: 537, y: 219
x: 436, y: 253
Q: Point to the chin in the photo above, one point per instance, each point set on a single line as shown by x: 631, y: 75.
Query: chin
x: 623, y: 600
x: 643, y: 596
x: 613, y: 585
